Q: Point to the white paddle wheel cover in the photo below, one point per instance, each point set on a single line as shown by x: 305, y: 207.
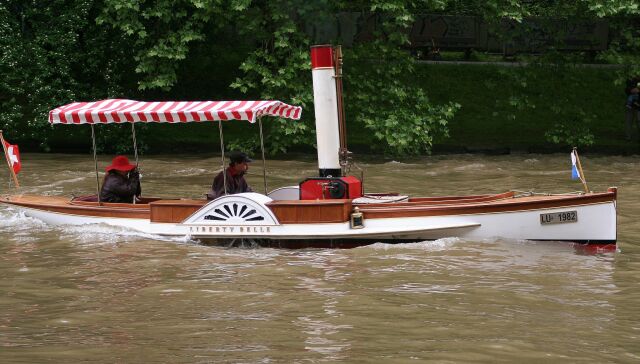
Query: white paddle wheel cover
x: 239, y: 209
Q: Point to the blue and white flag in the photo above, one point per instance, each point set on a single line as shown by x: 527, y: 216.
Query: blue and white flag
x: 575, y: 174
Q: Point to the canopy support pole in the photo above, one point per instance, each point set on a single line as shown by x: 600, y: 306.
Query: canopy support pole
x: 95, y: 161
x: 224, y: 172
x: 135, y: 150
x: 264, y: 162
x: 135, y: 143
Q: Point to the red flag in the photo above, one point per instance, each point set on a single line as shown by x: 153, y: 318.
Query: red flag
x: 13, y: 155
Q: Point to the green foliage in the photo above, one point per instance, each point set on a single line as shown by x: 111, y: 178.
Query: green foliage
x: 612, y: 7
x: 624, y: 49
x: 378, y: 93
x: 520, y: 9
x: 572, y: 125
x: 162, y: 32
x: 51, y: 54
x: 572, y: 133
x: 381, y: 95
x: 585, y: 99
x: 519, y: 99
x: 380, y: 98
x: 59, y: 51
x: 279, y: 67
x: 118, y: 138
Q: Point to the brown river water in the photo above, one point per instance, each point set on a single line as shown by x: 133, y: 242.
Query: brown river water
x: 107, y: 295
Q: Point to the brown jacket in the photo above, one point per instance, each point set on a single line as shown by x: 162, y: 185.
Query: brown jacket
x: 118, y: 188
x: 235, y: 184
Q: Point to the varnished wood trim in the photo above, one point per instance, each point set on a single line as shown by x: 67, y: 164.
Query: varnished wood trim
x: 174, y: 210
x: 61, y: 205
x: 311, y: 211
x: 98, y: 211
x: 448, y: 200
x: 511, y: 205
x: 109, y: 204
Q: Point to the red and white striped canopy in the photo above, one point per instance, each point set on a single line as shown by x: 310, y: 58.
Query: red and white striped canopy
x: 121, y: 111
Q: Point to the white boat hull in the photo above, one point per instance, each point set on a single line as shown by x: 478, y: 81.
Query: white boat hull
x: 595, y: 223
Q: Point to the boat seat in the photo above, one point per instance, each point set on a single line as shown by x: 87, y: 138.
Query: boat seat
x: 285, y: 193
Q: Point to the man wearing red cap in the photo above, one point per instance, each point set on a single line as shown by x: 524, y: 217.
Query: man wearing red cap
x: 236, y: 183
x: 121, y: 183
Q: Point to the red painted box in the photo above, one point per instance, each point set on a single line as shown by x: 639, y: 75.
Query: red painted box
x: 326, y: 188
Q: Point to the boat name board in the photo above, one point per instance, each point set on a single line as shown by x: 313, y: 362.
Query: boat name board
x: 230, y: 229
x: 559, y: 217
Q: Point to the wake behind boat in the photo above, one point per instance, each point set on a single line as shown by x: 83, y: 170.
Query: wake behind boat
x: 330, y: 209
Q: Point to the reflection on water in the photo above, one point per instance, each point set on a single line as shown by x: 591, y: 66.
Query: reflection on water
x: 99, y: 293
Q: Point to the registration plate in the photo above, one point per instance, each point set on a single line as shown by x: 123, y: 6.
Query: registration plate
x: 559, y: 217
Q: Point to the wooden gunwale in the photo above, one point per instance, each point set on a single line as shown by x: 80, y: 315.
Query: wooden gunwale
x: 300, y: 212
x: 508, y: 205
x: 419, y: 201
x: 142, y: 202
x: 109, y: 204
x: 63, y: 205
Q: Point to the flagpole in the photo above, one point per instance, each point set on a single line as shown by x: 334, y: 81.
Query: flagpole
x: 6, y: 156
x: 583, y: 179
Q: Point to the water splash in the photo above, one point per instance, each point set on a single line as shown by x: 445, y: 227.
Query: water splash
x: 17, y: 223
x: 429, y: 245
x: 104, y: 234
x: 14, y: 220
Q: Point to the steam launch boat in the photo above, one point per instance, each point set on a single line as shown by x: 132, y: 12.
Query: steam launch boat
x: 326, y: 210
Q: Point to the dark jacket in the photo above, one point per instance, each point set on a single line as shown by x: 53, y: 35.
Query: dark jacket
x: 118, y: 188
x: 235, y: 184
x: 631, y: 84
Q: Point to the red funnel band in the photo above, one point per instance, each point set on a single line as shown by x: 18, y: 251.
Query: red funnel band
x: 321, y: 56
